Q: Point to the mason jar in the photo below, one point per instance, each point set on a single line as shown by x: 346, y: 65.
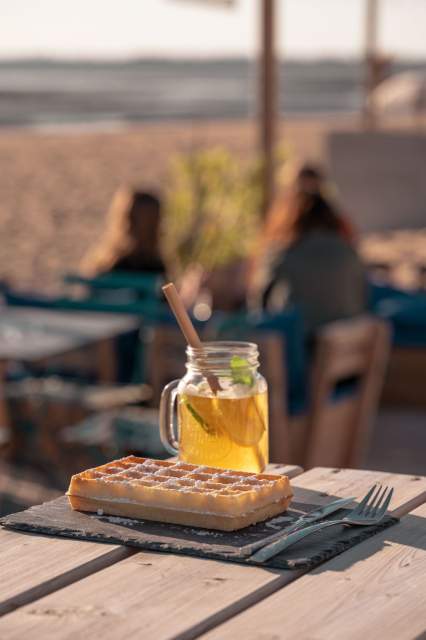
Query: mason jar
x: 222, y: 408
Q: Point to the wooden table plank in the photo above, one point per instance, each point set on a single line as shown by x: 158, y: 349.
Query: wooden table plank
x: 375, y: 590
x: 159, y: 595
x: 33, y: 566
x: 290, y: 470
x: 168, y: 596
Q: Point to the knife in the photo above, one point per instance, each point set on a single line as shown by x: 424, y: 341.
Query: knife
x: 317, y: 514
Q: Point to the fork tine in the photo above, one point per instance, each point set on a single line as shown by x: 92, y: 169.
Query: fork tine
x: 374, y: 508
x: 375, y: 500
x: 385, y: 505
x: 359, y: 509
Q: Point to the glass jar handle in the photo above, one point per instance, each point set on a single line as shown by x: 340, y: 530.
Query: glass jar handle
x: 167, y: 435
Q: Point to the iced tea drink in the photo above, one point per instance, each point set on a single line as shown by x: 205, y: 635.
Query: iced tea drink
x: 228, y: 428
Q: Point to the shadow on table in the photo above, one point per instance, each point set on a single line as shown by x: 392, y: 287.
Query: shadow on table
x: 411, y: 531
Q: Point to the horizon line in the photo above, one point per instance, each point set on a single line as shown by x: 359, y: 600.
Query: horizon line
x: 134, y: 58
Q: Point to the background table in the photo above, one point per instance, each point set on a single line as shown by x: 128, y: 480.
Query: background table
x: 54, y: 588
x: 33, y: 335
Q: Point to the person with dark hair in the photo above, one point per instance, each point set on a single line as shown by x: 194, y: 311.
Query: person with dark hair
x: 309, y: 179
x: 132, y: 238
x: 313, y: 265
x: 130, y: 244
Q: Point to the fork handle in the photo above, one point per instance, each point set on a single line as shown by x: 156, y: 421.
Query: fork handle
x: 286, y: 541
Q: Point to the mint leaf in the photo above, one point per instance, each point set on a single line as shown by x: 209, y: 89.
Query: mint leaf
x: 241, y: 371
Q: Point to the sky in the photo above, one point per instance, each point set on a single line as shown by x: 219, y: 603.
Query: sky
x: 128, y: 28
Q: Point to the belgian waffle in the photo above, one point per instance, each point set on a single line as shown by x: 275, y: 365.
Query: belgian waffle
x: 180, y: 493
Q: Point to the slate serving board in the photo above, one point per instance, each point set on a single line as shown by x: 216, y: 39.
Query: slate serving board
x: 58, y: 519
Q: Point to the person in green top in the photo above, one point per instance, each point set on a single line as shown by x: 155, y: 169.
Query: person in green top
x: 315, y: 267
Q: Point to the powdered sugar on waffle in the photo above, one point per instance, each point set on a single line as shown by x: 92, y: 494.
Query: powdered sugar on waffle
x: 120, y: 520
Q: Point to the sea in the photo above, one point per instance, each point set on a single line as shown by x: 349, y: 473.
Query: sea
x: 44, y: 93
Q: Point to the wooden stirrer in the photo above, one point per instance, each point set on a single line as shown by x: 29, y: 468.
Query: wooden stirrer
x: 187, y: 328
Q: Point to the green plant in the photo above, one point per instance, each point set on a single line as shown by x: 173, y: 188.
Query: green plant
x: 212, y: 208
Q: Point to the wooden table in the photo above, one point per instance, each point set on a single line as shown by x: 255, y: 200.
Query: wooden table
x: 36, y: 335
x: 31, y: 335
x: 57, y: 588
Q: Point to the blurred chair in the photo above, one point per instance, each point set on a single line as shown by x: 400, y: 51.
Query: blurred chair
x: 406, y: 313
x: 286, y: 325
x: 345, y: 383
x: 112, y: 434
x: 132, y: 286
x: 272, y: 357
x: 148, y: 310
x: 166, y: 357
x: 41, y: 407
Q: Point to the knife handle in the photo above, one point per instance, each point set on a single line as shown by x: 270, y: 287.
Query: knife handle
x: 287, y: 540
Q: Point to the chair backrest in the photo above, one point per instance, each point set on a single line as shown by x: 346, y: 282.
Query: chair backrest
x: 144, y: 283
x: 149, y: 310
x: 166, y: 357
x: 287, y: 327
x: 272, y: 366
x: 353, y: 353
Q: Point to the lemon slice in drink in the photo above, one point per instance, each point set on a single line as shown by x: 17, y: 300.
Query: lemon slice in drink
x: 245, y: 418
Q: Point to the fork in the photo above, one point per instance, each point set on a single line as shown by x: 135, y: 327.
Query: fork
x: 371, y: 510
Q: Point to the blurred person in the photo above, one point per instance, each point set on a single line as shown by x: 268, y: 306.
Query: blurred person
x: 132, y: 238
x: 131, y: 244
x: 277, y: 229
x: 308, y: 179
x: 312, y: 265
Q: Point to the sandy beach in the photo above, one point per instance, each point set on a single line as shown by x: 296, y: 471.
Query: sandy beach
x: 55, y: 186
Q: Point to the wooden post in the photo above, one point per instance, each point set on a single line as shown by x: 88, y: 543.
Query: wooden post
x: 268, y: 95
x: 370, y: 54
